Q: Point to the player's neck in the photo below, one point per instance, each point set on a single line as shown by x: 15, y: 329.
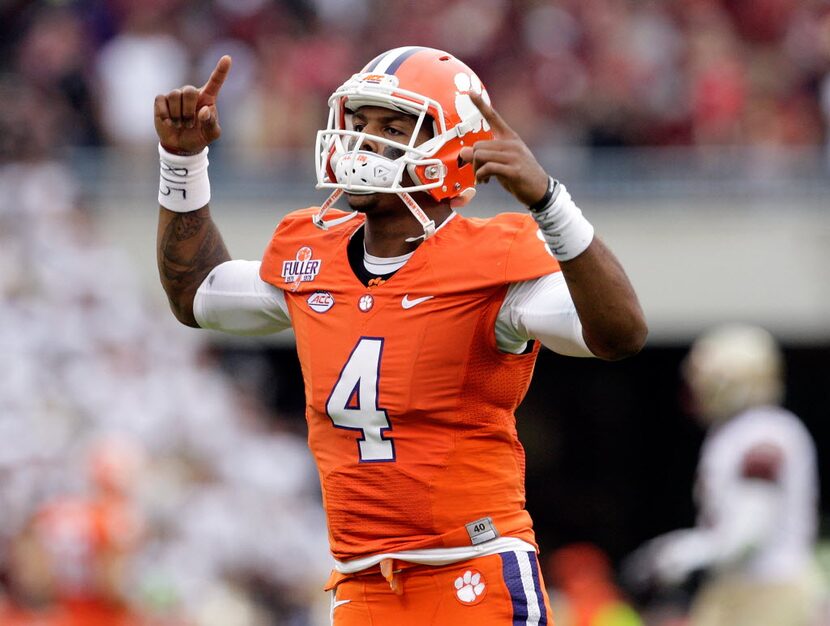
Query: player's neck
x: 386, y: 235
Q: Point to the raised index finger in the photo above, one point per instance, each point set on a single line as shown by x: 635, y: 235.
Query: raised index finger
x: 217, y: 78
x: 496, y: 121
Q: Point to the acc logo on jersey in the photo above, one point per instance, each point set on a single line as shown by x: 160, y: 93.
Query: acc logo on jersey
x: 302, y: 269
x: 320, y: 301
x: 470, y: 588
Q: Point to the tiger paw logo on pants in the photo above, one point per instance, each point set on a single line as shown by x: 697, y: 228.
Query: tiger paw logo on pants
x: 470, y: 588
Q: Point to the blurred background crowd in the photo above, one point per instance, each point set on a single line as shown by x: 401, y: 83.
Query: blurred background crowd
x: 141, y: 481
x: 136, y: 478
x: 588, y: 72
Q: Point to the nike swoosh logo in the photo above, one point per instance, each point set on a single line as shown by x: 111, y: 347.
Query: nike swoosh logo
x: 408, y: 304
x: 337, y: 603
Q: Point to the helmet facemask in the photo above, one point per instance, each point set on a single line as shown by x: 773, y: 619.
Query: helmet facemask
x: 342, y: 163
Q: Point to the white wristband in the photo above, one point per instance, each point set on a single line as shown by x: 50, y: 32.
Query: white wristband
x: 184, y: 184
x: 563, y: 226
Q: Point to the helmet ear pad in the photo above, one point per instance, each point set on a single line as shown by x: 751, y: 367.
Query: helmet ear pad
x: 459, y: 177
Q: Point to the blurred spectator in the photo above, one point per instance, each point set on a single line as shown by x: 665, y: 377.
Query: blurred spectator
x: 583, y: 590
x: 825, y: 109
x: 145, y: 58
x: 757, y: 492
x: 53, y: 59
x: 73, y: 555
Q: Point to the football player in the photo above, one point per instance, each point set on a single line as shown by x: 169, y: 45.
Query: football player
x: 757, y: 493
x: 417, y: 328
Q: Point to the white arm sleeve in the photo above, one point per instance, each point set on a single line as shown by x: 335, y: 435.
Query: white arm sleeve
x: 746, y: 522
x: 234, y: 299
x: 749, y: 517
x: 540, y: 309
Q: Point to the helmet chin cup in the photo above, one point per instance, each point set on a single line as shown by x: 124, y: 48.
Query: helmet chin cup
x: 358, y: 170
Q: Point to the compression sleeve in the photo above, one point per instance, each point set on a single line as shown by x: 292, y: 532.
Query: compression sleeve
x: 234, y: 299
x: 540, y: 309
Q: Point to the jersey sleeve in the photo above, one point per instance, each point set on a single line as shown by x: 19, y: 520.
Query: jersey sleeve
x: 540, y: 309
x: 234, y: 299
x: 296, y: 231
x: 528, y: 256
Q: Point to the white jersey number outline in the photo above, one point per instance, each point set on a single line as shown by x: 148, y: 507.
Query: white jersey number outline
x: 353, y: 402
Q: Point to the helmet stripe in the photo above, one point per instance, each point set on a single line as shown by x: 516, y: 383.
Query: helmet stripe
x: 370, y: 66
x: 393, y: 67
x: 390, y: 61
x: 383, y: 60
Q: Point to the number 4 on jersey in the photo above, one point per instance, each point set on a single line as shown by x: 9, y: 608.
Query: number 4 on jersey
x: 353, y: 403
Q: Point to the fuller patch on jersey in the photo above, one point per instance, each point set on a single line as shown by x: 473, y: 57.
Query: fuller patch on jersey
x: 303, y: 268
x: 320, y: 301
x: 470, y: 588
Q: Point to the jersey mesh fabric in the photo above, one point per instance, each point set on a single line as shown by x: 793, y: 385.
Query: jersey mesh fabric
x: 447, y: 392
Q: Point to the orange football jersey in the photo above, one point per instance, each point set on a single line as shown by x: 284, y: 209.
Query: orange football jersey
x: 410, y: 404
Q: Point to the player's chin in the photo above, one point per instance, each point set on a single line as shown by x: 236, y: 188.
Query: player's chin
x: 362, y: 201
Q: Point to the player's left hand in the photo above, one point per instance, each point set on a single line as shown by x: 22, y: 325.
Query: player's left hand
x: 507, y: 158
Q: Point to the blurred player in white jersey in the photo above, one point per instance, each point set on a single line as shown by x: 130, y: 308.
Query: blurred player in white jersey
x: 757, y: 492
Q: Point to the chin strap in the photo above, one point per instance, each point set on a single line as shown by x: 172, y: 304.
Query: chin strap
x: 318, y: 220
x: 423, y: 219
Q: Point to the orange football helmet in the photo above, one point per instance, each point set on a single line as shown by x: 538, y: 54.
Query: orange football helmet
x: 429, y: 84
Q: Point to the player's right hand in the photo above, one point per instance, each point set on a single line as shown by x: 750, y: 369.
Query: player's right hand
x: 506, y: 157
x: 186, y: 119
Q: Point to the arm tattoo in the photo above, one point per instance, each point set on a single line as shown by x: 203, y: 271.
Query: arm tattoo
x: 189, y: 247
